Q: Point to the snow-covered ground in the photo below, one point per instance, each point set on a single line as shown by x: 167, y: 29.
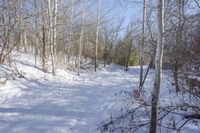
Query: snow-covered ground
x: 67, y: 103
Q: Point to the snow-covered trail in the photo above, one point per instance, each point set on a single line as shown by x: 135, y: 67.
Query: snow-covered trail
x: 66, y: 103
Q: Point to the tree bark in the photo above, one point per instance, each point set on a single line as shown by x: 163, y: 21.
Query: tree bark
x: 55, y: 7
x: 43, y: 39
x: 158, y: 66
x: 52, y: 32
x: 71, y: 32
x: 142, y: 44
x: 36, y: 25
x: 81, y: 36
x: 97, y: 35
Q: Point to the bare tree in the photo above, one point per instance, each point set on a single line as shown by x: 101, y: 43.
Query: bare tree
x: 97, y: 34
x: 81, y: 36
x: 71, y: 30
x: 36, y: 28
x: 110, y: 35
x: 8, y: 24
x: 52, y: 8
x: 43, y: 38
x: 55, y: 7
x: 158, y: 66
x: 22, y: 26
x: 142, y: 44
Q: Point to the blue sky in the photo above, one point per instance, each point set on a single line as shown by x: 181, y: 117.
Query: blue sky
x: 130, y: 11
x: 118, y: 9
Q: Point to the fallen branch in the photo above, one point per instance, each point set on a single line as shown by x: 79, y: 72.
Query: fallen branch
x: 193, y: 116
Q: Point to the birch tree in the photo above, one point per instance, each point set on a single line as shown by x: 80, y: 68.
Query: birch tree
x: 43, y: 38
x: 71, y: 31
x: 52, y: 8
x: 97, y: 34
x: 179, y: 38
x: 158, y: 66
x: 22, y: 27
x: 81, y: 35
x: 36, y: 26
x: 142, y: 44
x: 55, y: 10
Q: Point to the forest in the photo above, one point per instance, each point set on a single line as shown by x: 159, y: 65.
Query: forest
x: 99, y: 66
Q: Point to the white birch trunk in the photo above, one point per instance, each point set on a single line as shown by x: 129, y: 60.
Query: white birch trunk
x: 158, y: 66
x: 71, y: 31
x: 81, y: 36
x: 36, y: 25
x: 55, y: 4
x: 97, y: 34
x: 22, y: 25
x: 52, y: 33
x: 43, y: 52
x: 25, y: 38
x: 142, y: 44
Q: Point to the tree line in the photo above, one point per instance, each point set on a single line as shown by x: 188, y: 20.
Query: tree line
x: 59, y: 31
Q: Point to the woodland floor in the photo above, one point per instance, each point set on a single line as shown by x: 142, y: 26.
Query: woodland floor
x: 66, y: 103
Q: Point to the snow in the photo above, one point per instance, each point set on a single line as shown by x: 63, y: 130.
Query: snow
x: 67, y: 103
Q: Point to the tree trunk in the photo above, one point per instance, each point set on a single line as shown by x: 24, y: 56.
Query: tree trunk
x: 179, y: 37
x: 158, y: 67
x: 71, y: 32
x: 54, y: 36
x: 97, y: 35
x: 142, y: 44
x: 36, y: 26
x: 52, y: 32
x: 81, y: 36
x: 43, y: 39
x: 22, y: 33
